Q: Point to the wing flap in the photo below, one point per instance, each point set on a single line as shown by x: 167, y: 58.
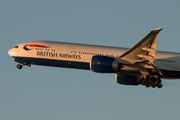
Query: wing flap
x: 146, y: 57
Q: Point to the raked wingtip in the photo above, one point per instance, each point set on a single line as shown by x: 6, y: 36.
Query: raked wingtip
x: 157, y: 29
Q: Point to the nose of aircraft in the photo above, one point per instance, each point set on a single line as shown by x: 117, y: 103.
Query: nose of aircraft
x: 11, y: 52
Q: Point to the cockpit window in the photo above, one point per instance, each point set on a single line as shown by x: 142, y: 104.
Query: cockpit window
x: 16, y: 46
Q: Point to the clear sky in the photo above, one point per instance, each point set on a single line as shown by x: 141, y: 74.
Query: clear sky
x: 47, y: 93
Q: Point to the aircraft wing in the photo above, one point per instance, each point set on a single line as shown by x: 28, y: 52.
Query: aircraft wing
x: 143, y: 52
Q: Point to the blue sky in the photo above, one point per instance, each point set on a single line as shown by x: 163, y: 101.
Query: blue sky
x: 43, y: 93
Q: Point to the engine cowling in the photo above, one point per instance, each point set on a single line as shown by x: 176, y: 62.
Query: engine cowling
x: 104, y: 64
x: 126, y: 79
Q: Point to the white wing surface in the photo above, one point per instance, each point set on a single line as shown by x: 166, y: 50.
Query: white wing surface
x: 143, y: 52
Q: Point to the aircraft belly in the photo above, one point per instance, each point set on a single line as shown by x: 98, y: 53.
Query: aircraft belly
x: 55, y: 63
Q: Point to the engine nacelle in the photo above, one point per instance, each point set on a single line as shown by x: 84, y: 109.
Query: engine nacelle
x: 104, y: 64
x: 126, y: 79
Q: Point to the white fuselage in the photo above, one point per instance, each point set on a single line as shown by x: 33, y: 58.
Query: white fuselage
x: 81, y: 53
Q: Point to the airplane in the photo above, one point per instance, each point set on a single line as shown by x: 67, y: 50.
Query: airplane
x: 139, y: 65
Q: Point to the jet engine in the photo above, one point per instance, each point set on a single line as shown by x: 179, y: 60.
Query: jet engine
x: 126, y: 79
x: 104, y: 64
